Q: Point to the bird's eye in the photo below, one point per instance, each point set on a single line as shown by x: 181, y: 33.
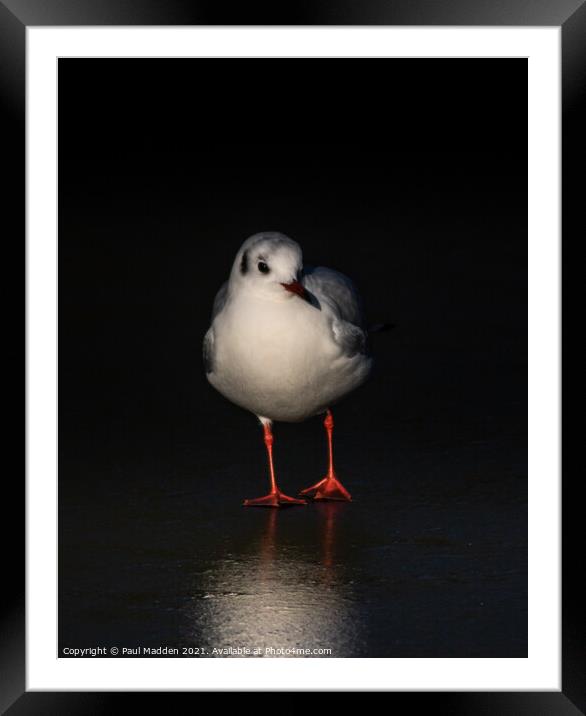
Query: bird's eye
x: 262, y: 267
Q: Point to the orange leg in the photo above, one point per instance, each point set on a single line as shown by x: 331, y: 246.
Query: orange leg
x: 275, y: 498
x: 328, y: 488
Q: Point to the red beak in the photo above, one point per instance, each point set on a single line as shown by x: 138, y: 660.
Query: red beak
x: 295, y: 287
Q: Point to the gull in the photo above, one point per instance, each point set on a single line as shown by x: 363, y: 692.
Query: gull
x: 286, y: 343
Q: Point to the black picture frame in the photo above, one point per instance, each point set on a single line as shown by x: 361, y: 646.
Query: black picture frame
x: 17, y: 15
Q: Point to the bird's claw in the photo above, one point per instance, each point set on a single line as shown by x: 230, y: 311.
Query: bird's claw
x: 329, y: 488
x: 274, y: 499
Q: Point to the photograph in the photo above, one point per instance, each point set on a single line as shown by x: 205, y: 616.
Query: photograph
x: 292, y: 357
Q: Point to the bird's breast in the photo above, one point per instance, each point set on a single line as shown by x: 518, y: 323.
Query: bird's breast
x: 280, y: 360
x: 275, y: 340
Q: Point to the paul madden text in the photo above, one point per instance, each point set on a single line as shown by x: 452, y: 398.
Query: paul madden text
x: 190, y: 651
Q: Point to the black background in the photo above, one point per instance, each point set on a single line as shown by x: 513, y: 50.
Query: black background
x: 410, y: 176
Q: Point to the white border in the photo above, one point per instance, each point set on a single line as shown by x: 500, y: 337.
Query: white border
x: 541, y: 670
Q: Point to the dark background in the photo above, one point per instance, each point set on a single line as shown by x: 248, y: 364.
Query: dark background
x: 410, y: 176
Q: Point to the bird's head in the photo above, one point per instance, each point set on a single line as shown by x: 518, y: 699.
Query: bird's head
x: 269, y: 264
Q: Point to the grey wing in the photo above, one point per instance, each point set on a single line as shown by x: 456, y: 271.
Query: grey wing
x: 335, y: 293
x: 351, y: 338
x: 220, y: 300
x: 208, y: 341
x: 208, y: 351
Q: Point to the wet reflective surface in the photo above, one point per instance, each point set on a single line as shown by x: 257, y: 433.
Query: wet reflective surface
x: 281, y: 597
x: 429, y: 560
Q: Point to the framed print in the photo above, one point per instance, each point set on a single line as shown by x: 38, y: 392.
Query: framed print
x: 422, y: 162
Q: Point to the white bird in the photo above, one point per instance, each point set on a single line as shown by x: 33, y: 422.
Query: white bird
x: 286, y: 343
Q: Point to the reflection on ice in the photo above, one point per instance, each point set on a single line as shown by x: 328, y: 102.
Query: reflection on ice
x: 275, y: 597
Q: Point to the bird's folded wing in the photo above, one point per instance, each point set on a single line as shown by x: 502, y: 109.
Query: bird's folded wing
x: 220, y: 300
x: 208, y: 341
x: 349, y: 337
x: 208, y: 351
x: 336, y: 292
x: 337, y: 296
